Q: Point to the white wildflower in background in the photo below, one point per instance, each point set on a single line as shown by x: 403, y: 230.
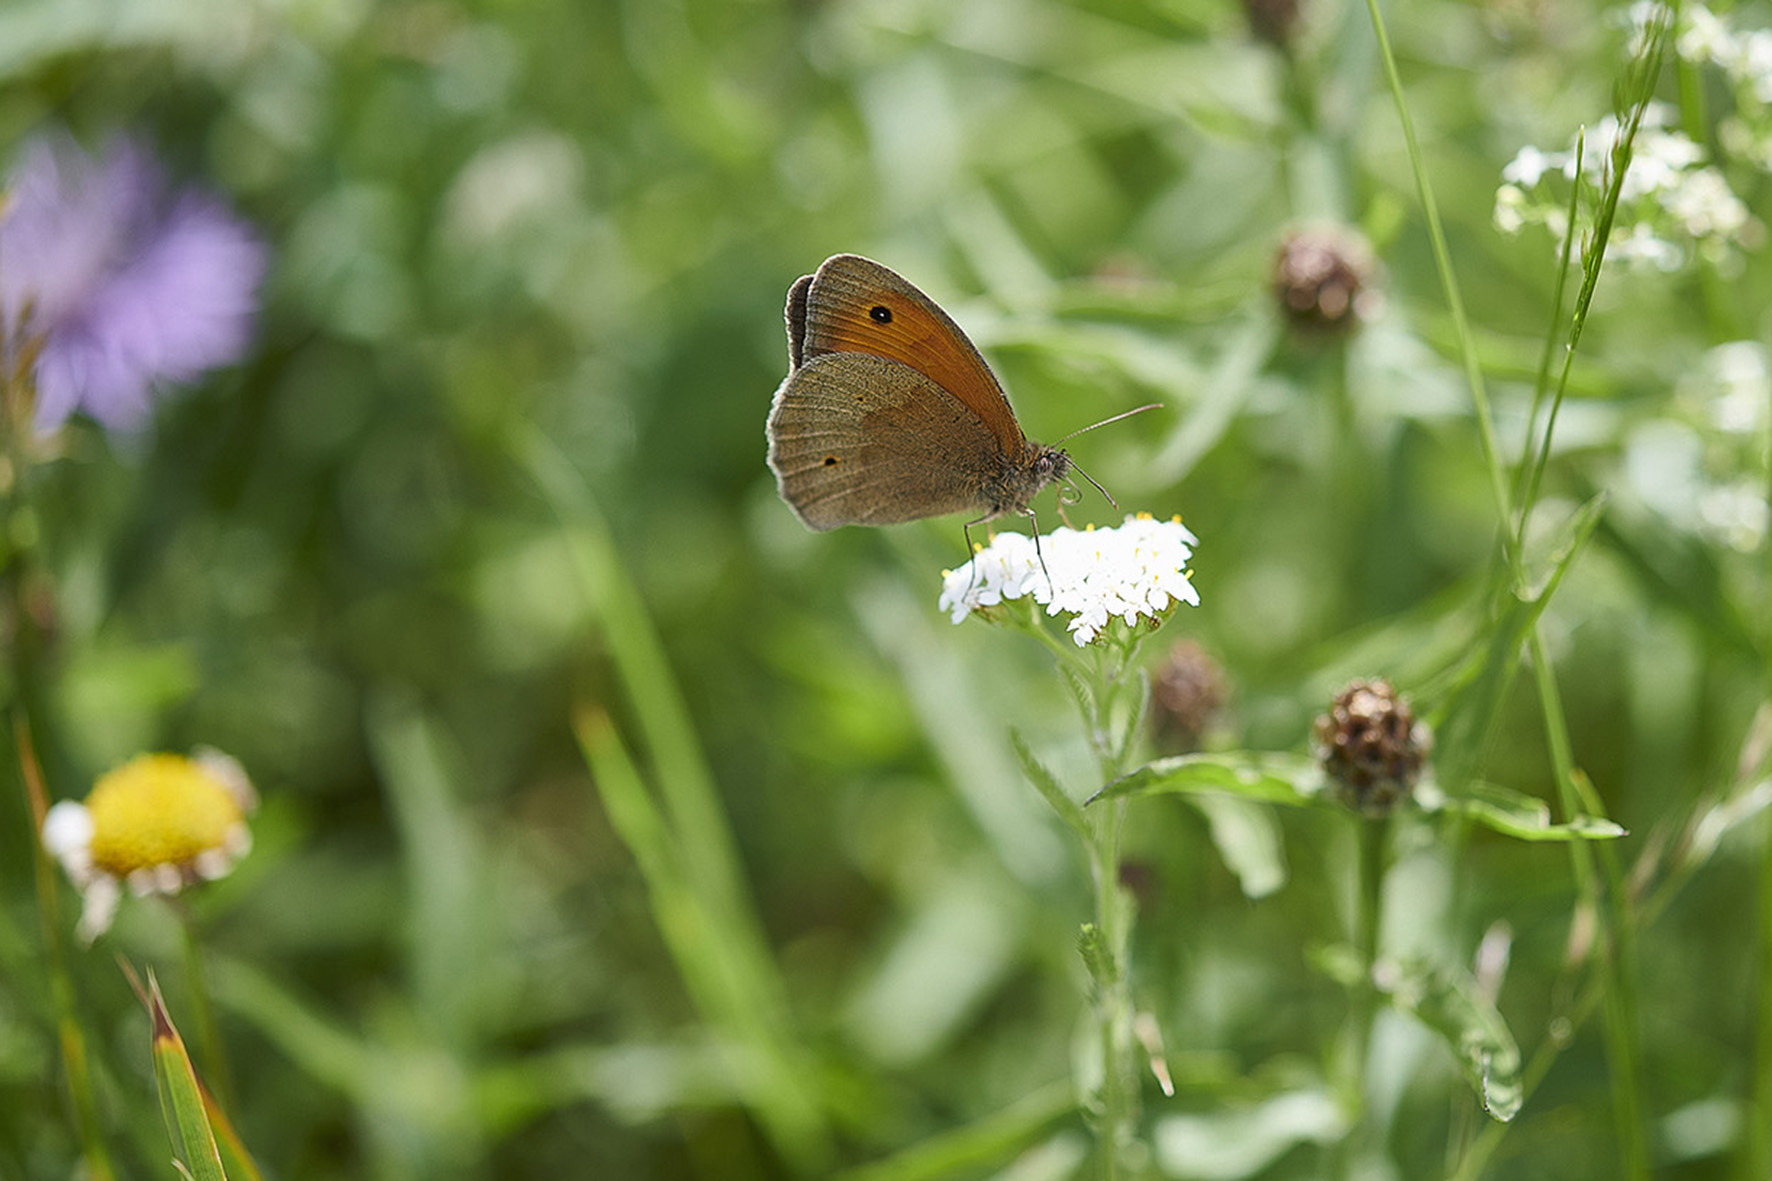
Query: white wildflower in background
x: 1136, y: 570
x: 157, y: 824
x: 1672, y: 205
x: 1701, y: 465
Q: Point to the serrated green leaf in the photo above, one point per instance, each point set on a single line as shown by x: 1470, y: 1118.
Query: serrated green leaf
x: 1447, y: 1001
x: 1516, y: 814
x: 1253, y: 775
x: 1048, y: 786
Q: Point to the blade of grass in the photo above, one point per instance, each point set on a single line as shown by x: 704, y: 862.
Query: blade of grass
x: 1449, y: 285
x: 1524, y: 475
x: 767, y: 1067
x: 181, y: 1098
x: 990, y: 1141
x: 1641, y: 89
x: 752, y: 1001
x: 1619, y: 961
x: 72, y: 1037
x: 1620, y: 995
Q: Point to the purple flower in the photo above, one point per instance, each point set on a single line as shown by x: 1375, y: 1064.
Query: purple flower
x: 124, y: 283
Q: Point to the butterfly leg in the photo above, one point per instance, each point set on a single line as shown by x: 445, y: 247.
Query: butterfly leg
x: 1035, y: 522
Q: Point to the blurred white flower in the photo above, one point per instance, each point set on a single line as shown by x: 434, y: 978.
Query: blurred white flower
x: 158, y: 823
x: 1138, y: 569
x: 1741, y: 379
x: 1672, y: 203
x: 1530, y: 164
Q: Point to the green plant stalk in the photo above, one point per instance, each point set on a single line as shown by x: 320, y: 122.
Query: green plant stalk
x: 1620, y: 999
x: 1112, y: 664
x: 1473, y: 372
x: 1374, y: 841
x: 1758, y: 1149
x: 1113, y: 996
x: 1619, y: 945
x: 69, y: 1034
x: 209, y: 1043
x: 745, y: 992
x: 1526, y: 475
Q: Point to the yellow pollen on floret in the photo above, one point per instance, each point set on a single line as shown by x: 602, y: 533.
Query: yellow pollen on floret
x: 158, y: 810
x: 1144, y: 517
x: 1175, y: 519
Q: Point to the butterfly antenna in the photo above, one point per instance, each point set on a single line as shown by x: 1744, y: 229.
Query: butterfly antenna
x: 1097, y: 483
x: 1115, y: 418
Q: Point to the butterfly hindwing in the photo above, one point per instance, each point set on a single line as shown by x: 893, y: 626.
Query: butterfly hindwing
x: 856, y: 438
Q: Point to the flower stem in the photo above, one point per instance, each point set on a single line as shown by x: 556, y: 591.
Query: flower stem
x: 1113, y: 993
x: 1362, y: 1140
x: 217, y: 1076
x: 1111, y: 963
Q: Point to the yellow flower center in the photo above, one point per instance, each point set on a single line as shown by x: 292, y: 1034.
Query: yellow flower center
x: 158, y: 810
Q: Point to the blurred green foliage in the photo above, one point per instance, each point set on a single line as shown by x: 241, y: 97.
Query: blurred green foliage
x: 498, y: 221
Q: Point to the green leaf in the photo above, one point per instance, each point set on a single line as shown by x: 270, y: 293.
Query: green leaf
x: 1515, y: 814
x: 1248, y: 840
x: 1048, y: 786
x: 1469, y: 714
x: 1252, y: 775
x: 1224, y: 1145
x: 1448, y: 1002
x: 994, y: 1140
x: 181, y: 1097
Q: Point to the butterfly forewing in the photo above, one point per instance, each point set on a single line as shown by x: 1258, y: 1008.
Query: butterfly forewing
x: 858, y: 439
x: 856, y: 306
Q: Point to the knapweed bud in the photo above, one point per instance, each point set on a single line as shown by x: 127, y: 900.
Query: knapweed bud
x: 1273, y: 21
x: 1371, y: 747
x: 1187, y: 694
x: 1323, y: 279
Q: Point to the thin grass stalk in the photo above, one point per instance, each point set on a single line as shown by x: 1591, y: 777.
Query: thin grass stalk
x: 209, y: 1042
x: 1758, y: 1150
x: 1473, y: 371
x: 1524, y: 474
x: 1594, y: 254
x: 69, y: 1033
x: 1618, y: 958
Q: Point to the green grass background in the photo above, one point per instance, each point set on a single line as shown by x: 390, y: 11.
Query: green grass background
x: 494, y: 470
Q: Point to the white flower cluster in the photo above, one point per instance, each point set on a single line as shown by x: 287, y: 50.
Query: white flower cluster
x: 1745, y: 59
x: 1136, y: 569
x: 1702, y: 466
x: 1671, y: 202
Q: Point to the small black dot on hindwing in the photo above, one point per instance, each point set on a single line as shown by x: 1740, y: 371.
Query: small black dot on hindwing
x: 830, y: 461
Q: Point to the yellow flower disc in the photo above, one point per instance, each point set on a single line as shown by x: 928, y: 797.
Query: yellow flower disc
x: 158, y: 810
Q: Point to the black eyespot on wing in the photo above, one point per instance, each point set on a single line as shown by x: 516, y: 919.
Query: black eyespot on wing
x: 881, y: 314
x: 830, y: 461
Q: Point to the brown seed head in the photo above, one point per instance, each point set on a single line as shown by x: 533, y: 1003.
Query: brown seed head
x: 1323, y: 279
x: 1371, y: 747
x: 1187, y: 694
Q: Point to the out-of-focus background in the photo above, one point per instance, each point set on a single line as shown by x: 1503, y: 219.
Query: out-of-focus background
x: 515, y: 242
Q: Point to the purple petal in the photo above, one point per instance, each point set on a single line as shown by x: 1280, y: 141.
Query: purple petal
x: 126, y: 287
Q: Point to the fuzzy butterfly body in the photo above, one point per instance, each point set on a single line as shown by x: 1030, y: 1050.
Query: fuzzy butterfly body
x: 888, y: 413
